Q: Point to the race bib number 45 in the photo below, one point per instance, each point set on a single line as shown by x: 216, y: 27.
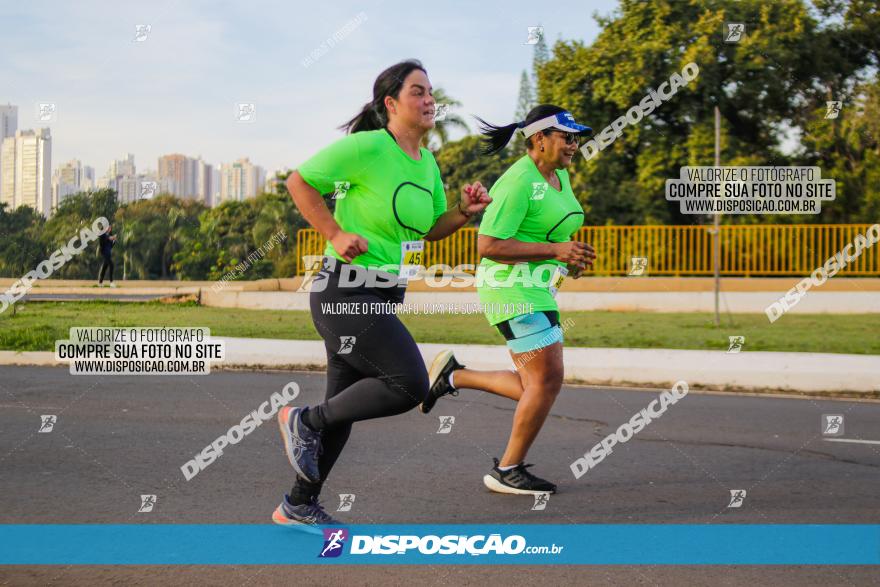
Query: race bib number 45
x: 557, y: 279
x: 412, y: 258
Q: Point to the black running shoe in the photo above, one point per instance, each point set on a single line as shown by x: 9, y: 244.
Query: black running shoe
x: 516, y: 480
x: 306, y: 516
x: 444, y: 364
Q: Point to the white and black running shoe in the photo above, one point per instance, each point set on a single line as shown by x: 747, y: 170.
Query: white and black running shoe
x: 517, y: 481
x: 444, y: 364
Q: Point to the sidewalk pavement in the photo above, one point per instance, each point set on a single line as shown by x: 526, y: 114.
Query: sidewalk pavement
x: 748, y: 371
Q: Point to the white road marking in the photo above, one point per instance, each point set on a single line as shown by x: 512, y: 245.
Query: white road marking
x: 855, y: 440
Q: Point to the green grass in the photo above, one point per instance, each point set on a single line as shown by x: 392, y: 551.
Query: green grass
x: 37, y: 325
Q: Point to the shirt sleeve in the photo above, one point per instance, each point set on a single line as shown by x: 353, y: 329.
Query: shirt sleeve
x: 506, y: 212
x: 341, y: 161
x: 440, y: 204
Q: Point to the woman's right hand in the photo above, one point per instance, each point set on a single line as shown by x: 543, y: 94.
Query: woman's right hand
x: 348, y: 245
x: 574, y: 253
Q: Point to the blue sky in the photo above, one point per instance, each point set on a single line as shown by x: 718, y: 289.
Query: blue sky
x: 177, y: 90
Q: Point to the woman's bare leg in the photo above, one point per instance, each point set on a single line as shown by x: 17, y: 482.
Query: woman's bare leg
x: 534, y: 386
x: 504, y: 383
x: 541, y: 374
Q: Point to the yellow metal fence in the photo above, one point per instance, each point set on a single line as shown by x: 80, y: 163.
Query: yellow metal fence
x: 775, y: 249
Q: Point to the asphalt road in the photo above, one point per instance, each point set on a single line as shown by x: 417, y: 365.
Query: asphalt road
x: 116, y: 438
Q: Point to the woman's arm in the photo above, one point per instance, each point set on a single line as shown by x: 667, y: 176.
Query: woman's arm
x: 312, y: 207
x: 474, y: 198
x: 509, y: 251
x: 452, y: 220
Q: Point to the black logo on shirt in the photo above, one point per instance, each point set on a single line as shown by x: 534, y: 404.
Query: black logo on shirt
x: 408, y: 191
x: 558, y: 224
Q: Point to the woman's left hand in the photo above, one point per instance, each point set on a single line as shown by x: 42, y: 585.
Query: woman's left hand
x: 474, y: 198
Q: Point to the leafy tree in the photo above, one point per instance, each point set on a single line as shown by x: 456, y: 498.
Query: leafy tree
x: 847, y: 149
x: 526, y: 100
x: 277, y: 215
x: 541, y: 56
x: 461, y: 162
x: 151, y: 232
x: 785, y: 67
x: 21, y: 247
x: 279, y: 182
x: 74, y: 213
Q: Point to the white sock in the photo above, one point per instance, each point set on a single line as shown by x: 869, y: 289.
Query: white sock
x: 507, y: 468
x: 451, y: 384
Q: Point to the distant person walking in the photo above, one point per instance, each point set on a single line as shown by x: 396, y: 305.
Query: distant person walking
x: 105, y: 247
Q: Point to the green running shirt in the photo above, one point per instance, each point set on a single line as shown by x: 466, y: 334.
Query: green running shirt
x: 381, y: 193
x: 526, y: 208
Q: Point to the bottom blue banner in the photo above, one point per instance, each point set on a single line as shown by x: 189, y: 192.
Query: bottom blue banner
x: 168, y: 544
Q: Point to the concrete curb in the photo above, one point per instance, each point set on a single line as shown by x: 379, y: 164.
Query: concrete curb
x: 445, y: 302
x: 787, y: 372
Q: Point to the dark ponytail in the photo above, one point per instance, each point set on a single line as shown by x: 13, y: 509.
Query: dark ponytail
x: 368, y: 119
x: 373, y: 115
x: 495, y: 138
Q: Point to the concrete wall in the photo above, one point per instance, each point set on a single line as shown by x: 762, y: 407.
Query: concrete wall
x: 839, y: 295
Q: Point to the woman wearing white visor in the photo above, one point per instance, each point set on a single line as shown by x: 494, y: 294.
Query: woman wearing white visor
x: 525, y: 239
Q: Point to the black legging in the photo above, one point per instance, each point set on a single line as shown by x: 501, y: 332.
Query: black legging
x: 108, y: 263
x: 382, y: 375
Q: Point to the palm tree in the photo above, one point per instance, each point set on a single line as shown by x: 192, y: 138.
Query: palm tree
x: 440, y: 133
x: 175, y: 226
x: 271, y: 218
x: 133, y: 233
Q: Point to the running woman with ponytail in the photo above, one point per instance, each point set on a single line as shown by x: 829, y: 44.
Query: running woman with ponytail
x: 389, y: 200
x: 524, y: 238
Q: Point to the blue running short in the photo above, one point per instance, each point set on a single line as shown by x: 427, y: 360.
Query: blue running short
x: 528, y: 332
